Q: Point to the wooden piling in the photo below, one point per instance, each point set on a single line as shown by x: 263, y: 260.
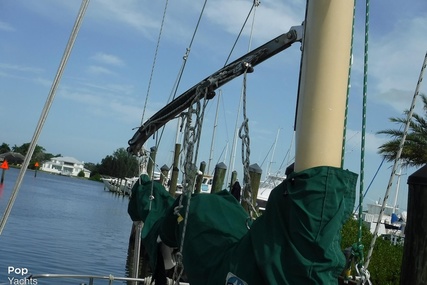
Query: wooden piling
x: 414, y: 263
x: 233, y: 180
x: 255, y: 176
x: 151, y: 160
x: 164, y: 176
x: 255, y: 173
x: 219, y: 176
x: 199, y: 178
x: 175, y: 170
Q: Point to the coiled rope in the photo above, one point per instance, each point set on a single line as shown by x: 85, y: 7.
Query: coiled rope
x: 192, y: 134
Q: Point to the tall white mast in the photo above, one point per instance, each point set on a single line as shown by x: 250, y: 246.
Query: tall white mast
x: 272, y: 153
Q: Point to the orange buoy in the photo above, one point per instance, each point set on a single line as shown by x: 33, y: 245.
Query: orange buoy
x: 4, y: 165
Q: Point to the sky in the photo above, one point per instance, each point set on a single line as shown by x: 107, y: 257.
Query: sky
x: 118, y: 65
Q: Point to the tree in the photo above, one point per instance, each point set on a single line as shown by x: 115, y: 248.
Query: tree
x: 121, y: 164
x: 386, y: 261
x: 4, y: 147
x: 414, y: 152
x: 39, y: 154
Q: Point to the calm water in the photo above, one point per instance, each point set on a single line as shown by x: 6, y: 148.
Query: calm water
x: 63, y: 225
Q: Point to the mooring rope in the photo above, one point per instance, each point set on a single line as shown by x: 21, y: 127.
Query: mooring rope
x: 45, y: 113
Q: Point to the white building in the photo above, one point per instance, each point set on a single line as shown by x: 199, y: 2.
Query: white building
x: 68, y: 166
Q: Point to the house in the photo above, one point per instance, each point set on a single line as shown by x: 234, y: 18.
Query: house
x: 68, y: 166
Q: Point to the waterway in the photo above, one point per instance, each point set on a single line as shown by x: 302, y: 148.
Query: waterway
x: 62, y: 225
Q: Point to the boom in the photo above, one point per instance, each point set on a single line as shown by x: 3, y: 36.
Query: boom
x: 213, y: 82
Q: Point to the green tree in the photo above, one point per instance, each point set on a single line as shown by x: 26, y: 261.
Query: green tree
x: 39, y: 154
x: 4, y: 147
x: 385, y: 264
x: 121, y: 164
x: 414, y: 152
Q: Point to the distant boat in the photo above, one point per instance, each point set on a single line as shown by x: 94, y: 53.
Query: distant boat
x: 206, y: 184
x: 118, y: 185
x: 392, y: 225
x: 265, y: 188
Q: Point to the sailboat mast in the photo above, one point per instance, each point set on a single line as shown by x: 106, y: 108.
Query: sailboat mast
x: 272, y: 153
x: 397, y: 188
x: 323, y: 84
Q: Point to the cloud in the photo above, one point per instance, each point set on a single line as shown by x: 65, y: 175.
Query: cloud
x: 107, y: 59
x: 103, y: 104
x: 99, y: 70
x: 6, y: 27
x: 372, y: 141
x: 20, y: 68
x: 395, y: 62
x: 133, y: 13
x: 271, y: 18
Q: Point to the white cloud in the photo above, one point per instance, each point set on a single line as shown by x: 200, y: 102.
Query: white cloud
x: 272, y: 18
x: 99, y: 70
x: 395, y: 62
x: 107, y: 59
x: 6, y: 27
x: 372, y: 141
x: 20, y: 68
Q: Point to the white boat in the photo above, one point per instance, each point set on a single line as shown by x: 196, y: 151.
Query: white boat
x: 206, y: 184
x: 265, y: 188
x: 392, y: 225
x: 121, y: 186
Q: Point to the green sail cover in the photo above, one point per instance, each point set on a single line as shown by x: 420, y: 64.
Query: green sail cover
x: 295, y: 241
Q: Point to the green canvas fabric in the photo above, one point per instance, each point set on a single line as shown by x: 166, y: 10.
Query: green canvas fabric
x: 295, y: 241
x: 149, y: 210
x: 298, y: 239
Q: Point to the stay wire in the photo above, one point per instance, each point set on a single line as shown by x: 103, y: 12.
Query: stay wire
x: 45, y: 112
x: 254, y: 4
x: 396, y: 161
x: 233, y: 147
x: 185, y: 58
x: 154, y: 61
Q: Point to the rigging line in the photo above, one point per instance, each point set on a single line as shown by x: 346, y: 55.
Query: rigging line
x: 254, y: 4
x: 362, y: 151
x: 370, y: 184
x: 233, y: 146
x: 348, y: 85
x: 185, y: 57
x: 45, y: 112
x: 191, y: 144
x: 154, y: 61
x: 288, y: 154
x: 396, y: 160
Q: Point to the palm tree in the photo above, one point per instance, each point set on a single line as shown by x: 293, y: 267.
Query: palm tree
x: 414, y: 152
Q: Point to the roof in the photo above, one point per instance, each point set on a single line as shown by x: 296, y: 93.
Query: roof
x: 67, y: 159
